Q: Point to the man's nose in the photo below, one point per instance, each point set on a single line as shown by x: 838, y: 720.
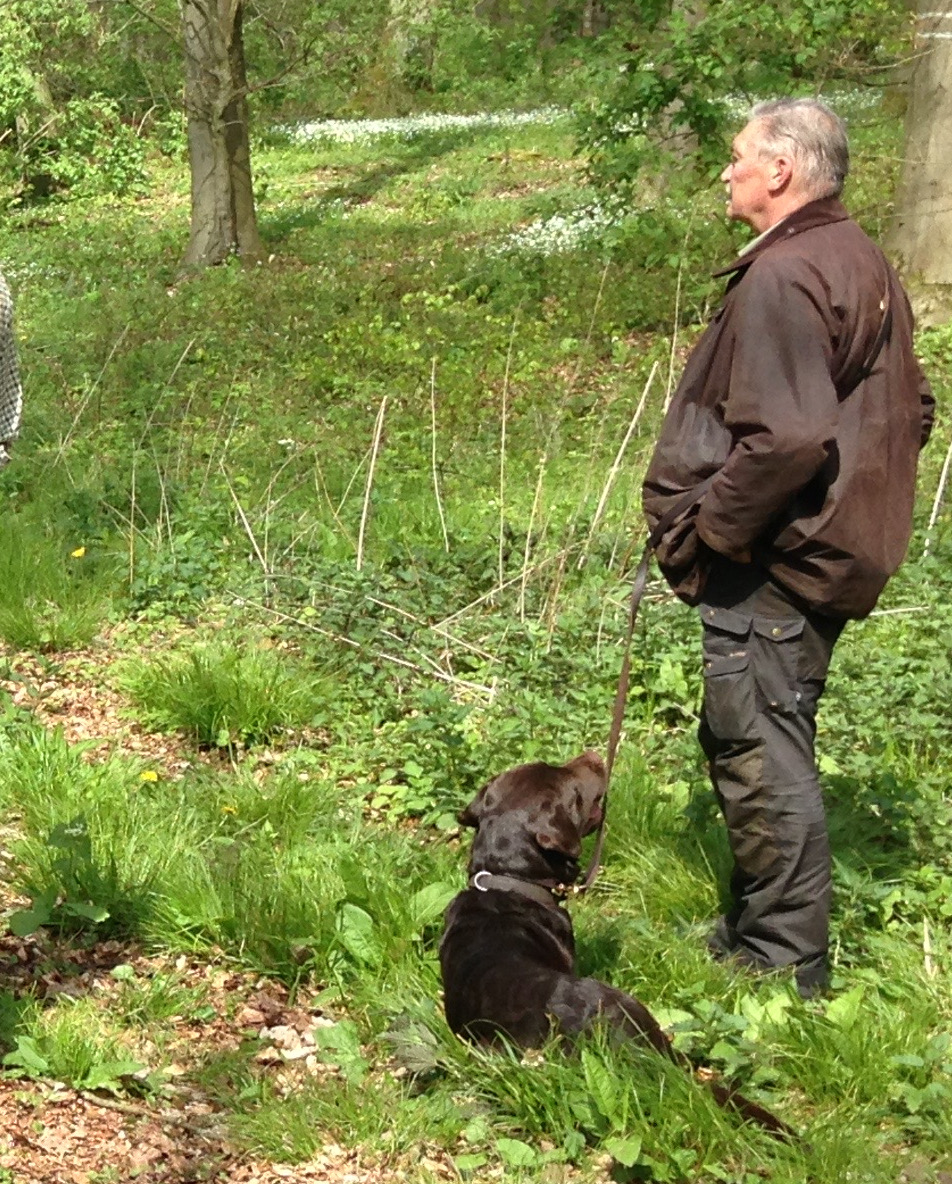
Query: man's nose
x: 726, y: 174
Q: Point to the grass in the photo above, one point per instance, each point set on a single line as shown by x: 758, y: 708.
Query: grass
x: 206, y: 446
x: 224, y: 696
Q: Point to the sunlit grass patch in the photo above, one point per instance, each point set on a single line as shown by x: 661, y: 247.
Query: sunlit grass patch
x: 54, y: 592
x: 223, y: 695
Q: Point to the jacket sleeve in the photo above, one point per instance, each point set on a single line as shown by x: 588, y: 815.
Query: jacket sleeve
x: 11, y: 396
x: 780, y: 409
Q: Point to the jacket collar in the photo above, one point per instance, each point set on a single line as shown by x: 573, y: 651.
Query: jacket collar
x: 822, y: 212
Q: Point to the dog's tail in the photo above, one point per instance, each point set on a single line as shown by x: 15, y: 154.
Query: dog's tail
x: 732, y: 1099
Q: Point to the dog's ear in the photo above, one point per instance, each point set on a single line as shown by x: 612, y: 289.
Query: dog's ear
x: 556, y: 833
x: 471, y: 814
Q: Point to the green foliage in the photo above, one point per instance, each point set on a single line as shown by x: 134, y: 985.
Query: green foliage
x: 69, y: 1043
x: 228, y: 696
x: 78, y: 889
x: 53, y: 594
x: 679, y: 89
x: 60, y: 134
x: 208, y: 445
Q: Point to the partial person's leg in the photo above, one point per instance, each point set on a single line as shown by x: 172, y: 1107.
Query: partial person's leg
x: 765, y: 662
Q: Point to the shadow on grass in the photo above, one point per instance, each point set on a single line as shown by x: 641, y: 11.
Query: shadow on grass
x: 407, y: 159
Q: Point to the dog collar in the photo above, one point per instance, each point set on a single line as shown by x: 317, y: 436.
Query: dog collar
x: 485, y: 881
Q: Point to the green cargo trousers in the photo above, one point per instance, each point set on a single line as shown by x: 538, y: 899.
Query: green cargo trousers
x: 766, y: 656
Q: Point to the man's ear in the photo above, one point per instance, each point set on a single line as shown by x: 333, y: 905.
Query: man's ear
x: 780, y: 175
x: 557, y: 833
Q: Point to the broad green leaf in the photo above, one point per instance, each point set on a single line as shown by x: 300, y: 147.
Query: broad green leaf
x: 23, y: 922
x: 356, y: 930
x: 340, y: 1045
x: 516, y: 1153
x: 843, y: 1011
x: 90, y: 912
x: 428, y: 904
x: 627, y: 1151
x: 603, y: 1086
x: 109, y: 1075
x: 27, y: 1056
x: 469, y: 1163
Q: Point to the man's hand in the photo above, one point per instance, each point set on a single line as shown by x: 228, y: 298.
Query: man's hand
x: 718, y: 545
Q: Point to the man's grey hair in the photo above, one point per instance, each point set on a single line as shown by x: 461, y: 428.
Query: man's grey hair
x: 813, y: 135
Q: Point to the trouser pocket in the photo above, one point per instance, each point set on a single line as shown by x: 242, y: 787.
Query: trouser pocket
x: 730, y: 708
x: 776, y: 645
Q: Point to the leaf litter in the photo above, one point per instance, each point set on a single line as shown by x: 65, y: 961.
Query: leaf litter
x: 53, y: 1133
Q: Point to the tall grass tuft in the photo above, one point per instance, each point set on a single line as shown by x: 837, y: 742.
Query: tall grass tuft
x: 224, y: 696
x: 51, y: 597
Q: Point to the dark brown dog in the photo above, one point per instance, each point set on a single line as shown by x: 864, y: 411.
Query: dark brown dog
x: 508, y: 954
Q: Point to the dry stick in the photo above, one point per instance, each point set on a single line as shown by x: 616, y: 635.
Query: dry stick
x: 461, y: 612
x: 674, y: 336
x: 164, y: 511
x: 543, y: 463
x: 378, y: 431
x: 601, y: 631
x: 927, y: 949
x: 132, y: 519
x: 561, y: 406
x: 431, y: 663
x: 616, y: 465
x: 319, y: 479
x: 247, y: 525
x: 677, y: 310
x: 158, y: 403
x: 180, y: 450
x: 271, y: 503
x: 381, y: 654
x: 553, y: 599
x: 211, y: 448
x: 89, y: 394
x: 445, y: 633
x: 936, y: 505
x: 537, y: 497
x: 350, y: 484
x: 502, y: 452
x: 436, y: 478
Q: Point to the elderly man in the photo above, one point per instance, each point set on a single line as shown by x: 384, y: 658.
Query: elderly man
x: 797, y: 423
x: 11, y: 398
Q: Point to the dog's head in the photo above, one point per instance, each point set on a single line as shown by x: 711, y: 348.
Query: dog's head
x: 546, y: 807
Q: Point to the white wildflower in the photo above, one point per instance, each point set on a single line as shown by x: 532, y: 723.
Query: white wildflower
x: 409, y: 127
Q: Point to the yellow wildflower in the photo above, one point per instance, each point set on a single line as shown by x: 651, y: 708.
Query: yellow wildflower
x: 229, y: 809
x: 148, y: 775
x: 78, y: 553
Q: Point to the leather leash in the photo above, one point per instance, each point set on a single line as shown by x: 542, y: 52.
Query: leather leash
x: 664, y: 524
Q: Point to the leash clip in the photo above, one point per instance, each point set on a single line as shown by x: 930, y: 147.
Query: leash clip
x: 476, y: 884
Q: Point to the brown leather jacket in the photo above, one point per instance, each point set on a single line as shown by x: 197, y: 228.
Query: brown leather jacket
x: 815, y: 458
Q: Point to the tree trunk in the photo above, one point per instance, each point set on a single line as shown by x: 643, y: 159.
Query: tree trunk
x: 921, y: 237
x: 223, y: 207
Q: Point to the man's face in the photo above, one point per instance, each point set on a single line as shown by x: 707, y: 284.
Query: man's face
x: 747, y: 180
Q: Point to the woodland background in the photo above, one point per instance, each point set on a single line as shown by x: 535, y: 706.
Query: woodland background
x: 297, y: 550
